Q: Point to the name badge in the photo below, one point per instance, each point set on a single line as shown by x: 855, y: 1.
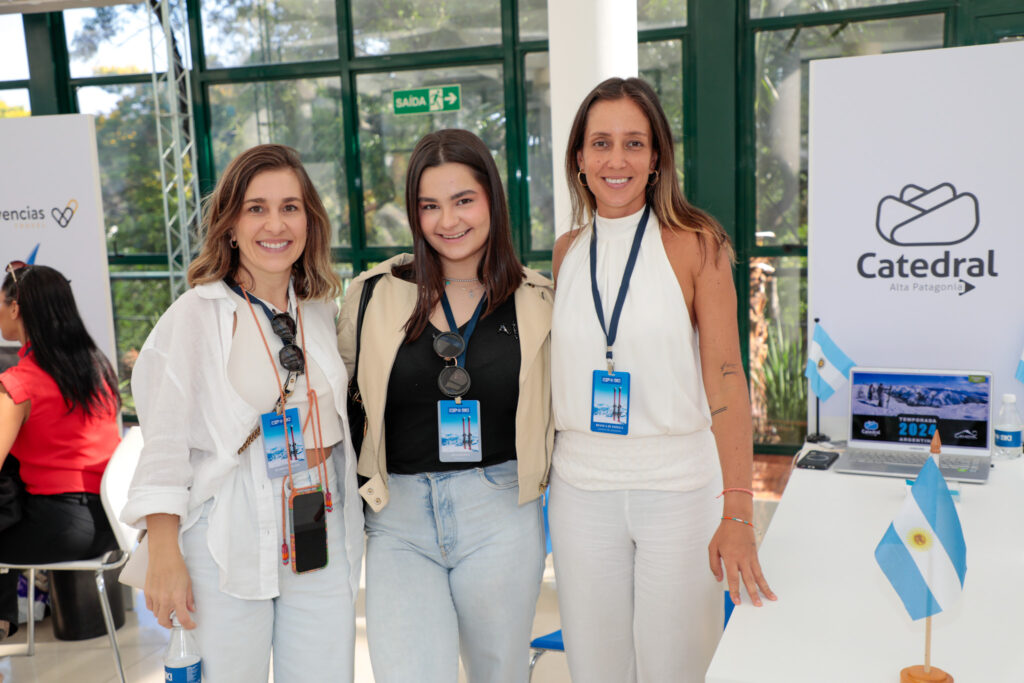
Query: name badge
x: 609, y: 404
x: 279, y: 446
x: 458, y: 431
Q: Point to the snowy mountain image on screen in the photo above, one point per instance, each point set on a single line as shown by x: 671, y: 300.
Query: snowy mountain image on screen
x: 954, y: 403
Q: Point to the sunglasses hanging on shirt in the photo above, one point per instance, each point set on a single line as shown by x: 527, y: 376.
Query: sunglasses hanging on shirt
x: 454, y: 379
x: 458, y: 421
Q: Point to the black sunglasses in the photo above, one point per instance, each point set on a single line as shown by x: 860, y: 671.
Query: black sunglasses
x: 454, y: 379
x: 290, y: 355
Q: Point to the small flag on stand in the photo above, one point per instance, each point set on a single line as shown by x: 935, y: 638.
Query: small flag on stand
x: 827, y: 366
x: 923, y: 553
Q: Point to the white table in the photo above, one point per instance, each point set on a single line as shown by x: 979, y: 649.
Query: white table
x: 838, y: 613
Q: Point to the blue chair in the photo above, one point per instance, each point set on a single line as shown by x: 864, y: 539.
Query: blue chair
x: 552, y: 642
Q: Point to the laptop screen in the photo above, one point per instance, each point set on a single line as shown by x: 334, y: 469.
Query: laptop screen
x: 904, y: 408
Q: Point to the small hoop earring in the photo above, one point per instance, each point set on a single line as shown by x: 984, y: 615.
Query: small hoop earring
x: 582, y: 177
x: 233, y: 242
x: 657, y: 177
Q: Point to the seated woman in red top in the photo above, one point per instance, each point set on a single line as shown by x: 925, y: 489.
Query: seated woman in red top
x: 58, y: 417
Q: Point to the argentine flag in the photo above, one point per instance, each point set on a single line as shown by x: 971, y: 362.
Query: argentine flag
x: 827, y: 366
x: 923, y: 553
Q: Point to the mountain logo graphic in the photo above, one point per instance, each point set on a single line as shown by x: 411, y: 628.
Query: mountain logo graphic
x: 920, y: 217
x: 63, y: 217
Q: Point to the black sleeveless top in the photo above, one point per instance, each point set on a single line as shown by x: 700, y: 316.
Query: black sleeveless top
x: 410, y: 416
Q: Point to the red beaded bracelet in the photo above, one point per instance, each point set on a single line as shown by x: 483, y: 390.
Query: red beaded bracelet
x: 737, y: 519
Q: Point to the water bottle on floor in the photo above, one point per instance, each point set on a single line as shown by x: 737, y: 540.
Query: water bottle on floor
x: 182, y: 663
x: 1008, y: 430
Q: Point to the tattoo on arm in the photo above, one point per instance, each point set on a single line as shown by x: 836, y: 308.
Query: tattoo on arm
x: 720, y: 410
x: 729, y: 369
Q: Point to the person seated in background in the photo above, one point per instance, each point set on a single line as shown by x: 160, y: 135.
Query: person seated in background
x: 58, y: 416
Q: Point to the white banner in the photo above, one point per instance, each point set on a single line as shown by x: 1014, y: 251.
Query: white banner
x: 51, y: 209
x: 915, y: 222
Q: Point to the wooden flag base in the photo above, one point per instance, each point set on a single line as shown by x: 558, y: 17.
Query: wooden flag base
x: 916, y: 674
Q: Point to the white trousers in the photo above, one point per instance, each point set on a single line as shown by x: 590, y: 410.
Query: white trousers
x: 310, y: 626
x: 637, y: 599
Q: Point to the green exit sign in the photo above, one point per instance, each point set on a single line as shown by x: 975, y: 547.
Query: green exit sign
x: 427, y: 100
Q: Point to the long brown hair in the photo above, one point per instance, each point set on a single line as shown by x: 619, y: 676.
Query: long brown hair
x: 663, y: 192
x: 499, y: 271
x: 313, y: 276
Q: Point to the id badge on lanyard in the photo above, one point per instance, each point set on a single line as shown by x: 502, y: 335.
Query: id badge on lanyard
x: 459, y: 435
x: 282, y: 441
x: 609, y: 402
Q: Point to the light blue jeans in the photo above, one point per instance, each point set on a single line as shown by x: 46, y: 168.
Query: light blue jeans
x: 453, y: 562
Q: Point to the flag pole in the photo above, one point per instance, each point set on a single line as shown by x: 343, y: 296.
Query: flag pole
x: 817, y: 436
x: 927, y: 673
x: 928, y: 644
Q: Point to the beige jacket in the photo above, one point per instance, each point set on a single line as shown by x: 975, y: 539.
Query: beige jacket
x: 390, y: 306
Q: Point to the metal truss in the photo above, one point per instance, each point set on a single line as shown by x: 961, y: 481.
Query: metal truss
x: 179, y: 177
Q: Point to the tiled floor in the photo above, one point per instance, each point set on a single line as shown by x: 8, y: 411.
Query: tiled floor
x: 142, y: 640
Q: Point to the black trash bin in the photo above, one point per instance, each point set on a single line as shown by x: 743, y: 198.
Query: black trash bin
x: 75, y: 605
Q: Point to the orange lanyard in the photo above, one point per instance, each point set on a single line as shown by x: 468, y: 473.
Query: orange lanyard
x: 314, y: 423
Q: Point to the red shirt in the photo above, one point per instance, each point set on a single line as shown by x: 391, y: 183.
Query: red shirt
x: 59, y: 452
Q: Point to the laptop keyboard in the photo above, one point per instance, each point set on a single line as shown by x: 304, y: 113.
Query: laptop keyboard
x: 946, y: 462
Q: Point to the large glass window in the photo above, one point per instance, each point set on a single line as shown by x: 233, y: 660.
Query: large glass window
x: 780, y: 105
x: 777, y: 334
x: 540, y: 171
x: 14, y: 103
x: 778, y: 8
x: 129, y: 166
x: 533, y: 19
x: 391, y: 26
x: 13, y: 56
x: 778, y: 390
x: 304, y: 114
x: 269, y: 31
x: 110, y: 41
x: 386, y: 139
x: 661, y: 65
x: 660, y: 13
x: 141, y: 294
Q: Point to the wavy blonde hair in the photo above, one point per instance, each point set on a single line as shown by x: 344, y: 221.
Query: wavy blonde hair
x: 313, y: 276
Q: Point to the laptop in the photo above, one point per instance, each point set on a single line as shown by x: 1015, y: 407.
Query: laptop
x: 895, y: 412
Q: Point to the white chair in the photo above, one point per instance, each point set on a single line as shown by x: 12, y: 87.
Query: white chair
x: 114, y: 495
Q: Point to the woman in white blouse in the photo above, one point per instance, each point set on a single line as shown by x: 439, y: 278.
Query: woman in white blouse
x: 223, y: 484
x: 649, y: 422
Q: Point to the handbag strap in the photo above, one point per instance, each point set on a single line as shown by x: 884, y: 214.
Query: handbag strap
x: 364, y: 299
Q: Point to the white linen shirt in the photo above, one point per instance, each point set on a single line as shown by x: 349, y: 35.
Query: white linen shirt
x: 193, y: 422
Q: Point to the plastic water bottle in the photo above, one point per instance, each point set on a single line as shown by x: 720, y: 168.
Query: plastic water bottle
x: 1008, y: 430
x: 182, y: 663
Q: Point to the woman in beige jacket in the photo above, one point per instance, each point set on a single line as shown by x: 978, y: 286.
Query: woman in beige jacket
x: 455, y: 377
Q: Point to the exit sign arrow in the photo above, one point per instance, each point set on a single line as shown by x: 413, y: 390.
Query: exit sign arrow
x: 427, y: 100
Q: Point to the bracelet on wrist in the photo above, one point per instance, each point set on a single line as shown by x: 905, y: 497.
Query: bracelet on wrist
x: 735, y: 490
x: 737, y: 519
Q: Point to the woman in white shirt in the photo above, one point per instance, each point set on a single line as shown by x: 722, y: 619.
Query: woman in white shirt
x: 649, y: 422
x: 236, y: 497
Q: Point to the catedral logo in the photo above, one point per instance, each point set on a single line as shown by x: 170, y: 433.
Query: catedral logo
x: 30, y: 217
x: 936, y: 217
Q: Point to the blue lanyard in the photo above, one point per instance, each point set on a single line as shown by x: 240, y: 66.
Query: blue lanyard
x: 470, y: 326
x: 252, y: 297
x: 610, y: 332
